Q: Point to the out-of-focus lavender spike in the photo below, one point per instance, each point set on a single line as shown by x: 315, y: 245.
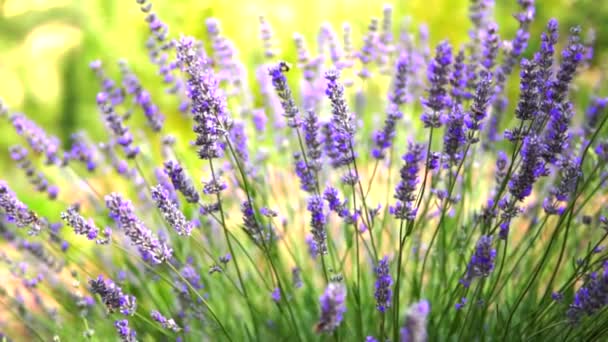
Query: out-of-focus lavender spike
x: 163, y: 179
x: 424, y: 42
x: 225, y: 58
x: 239, y: 138
x: 367, y: 52
x: 17, y: 212
x: 405, y: 192
x: 482, y: 261
x: 332, y: 42
x: 458, y: 79
x: 83, y: 150
x: 266, y: 36
x: 279, y: 82
x: 318, y: 221
x: 333, y: 307
x: 590, y: 298
x: 272, y: 102
x: 259, y: 119
x: 170, y: 212
x: 123, y: 212
x: 19, y: 155
x: 112, y: 296
x: 347, y: 60
x: 38, y: 140
x: 519, y: 43
x: 384, y: 282
x: 414, y: 329
x: 596, y: 108
x: 126, y: 333
x: 590, y: 41
x: 385, y: 44
x: 342, y: 127
x: 166, y: 323
x: 383, y: 139
x: 115, y: 124
x: 142, y: 97
x: 158, y: 46
x: 208, y: 103
x: 114, y: 92
x: 438, y: 76
x: 397, y: 96
x: 490, y: 47
x: 260, y: 233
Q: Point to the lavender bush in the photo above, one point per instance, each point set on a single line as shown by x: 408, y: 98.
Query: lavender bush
x: 302, y: 208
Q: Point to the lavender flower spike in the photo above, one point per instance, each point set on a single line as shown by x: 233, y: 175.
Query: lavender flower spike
x: 482, y: 261
x: 116, y: 125
x: 123, y: 212
x: 125, y: 333
x: 342, y: 127
x: 167, y: 323
x: 112, y: 296
x: 279, y: 82
x: 479, y: 108
x: 318, y: 221
x: 208, y: 103
x: 404, y: 208
x: 384, y: 281
x: 333, y: 307
x: 181, y: 181
x: 170, y: 212
x: 82, y: 226
x: 532, y: 167
x: 414, y: 329
x: 438, y: 75
x: 591, y: 298
x: 17, y: 212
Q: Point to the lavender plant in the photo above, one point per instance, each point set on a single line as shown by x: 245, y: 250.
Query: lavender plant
x: 217, y: 235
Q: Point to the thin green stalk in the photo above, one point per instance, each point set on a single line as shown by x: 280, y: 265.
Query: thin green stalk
x: 231, y: 249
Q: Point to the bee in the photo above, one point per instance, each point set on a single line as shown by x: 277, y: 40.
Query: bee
x: 284, y: 66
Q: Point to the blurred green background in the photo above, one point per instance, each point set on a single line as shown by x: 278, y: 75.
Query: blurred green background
x: 46, y: 45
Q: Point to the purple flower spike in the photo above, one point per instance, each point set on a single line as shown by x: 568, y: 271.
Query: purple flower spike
x: 17, y: 212
x: 438, y: 75
x: 112, y: 296
x: 318, y: 220
x: 123, y: 212
x: 384, y: 282
x: 170, y: 212
x: 166, y: 323
x: 208, y: 103
x: 341, y: 127
x: 482, y: 261
x: 125, y: 333
x: 591, y: 298
x: 333, y: 307
x: 404, y: 208
x: 414, y: 329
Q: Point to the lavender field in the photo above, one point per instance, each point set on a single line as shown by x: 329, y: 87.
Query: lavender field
x: 384, y: 181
